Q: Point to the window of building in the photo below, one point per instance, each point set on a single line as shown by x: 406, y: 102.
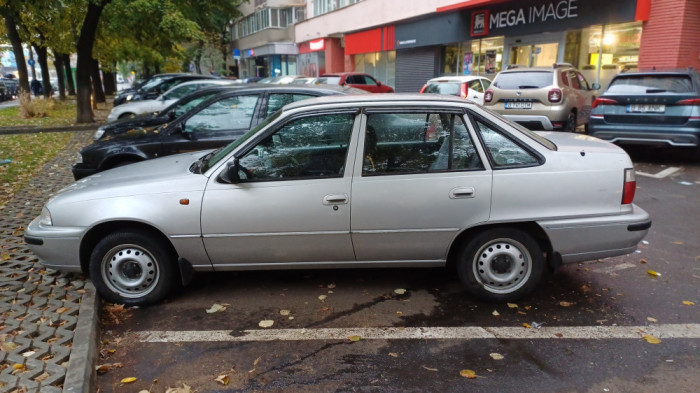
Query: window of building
x: 324, y: 6
x: 381, y: 65
x: 267, y: 18
x: 478, y: 57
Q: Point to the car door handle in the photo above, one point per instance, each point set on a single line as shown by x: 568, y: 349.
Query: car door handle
x: 462, y: 192
x: 335, y: 199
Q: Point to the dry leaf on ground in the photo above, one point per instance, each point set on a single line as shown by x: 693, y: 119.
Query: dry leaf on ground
x: 217, y: 308
x: 496, y: 356
x: 354, y: 338
x: 429, y: 368
x: 688, y: 303
x: 183, y: 389
x: 399, y: 291
x: 469, y: 374
x: 527, y: 325
x: 266, y: 323
x: 322, y: 297
x: 512, y: 305
x: 393, y: 354
x: 222, y: 379
x: 565, y: 304
x: 650, y: 319
x: 495, y: 313
x: 653, y: 273
x: 285, y: 312
x: 128, y: 380
x: 651, y: 339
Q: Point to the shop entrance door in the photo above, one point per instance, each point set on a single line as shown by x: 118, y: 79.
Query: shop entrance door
x: 544, y: 54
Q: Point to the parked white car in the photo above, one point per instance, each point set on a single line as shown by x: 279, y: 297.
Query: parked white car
x: 468, y: 86
x: 352, y: 181
x: 135, y: 108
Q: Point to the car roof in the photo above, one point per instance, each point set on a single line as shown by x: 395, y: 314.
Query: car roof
x: 344, y: 73
x: 213, y: 82
x: 300, y: 88
x: 456, y: 78
x: 379, y: 99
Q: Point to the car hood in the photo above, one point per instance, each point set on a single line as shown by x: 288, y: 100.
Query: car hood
x: 573, y: 142
x: 134, y: 133
x: 166, y: 174
x: 123, y: 125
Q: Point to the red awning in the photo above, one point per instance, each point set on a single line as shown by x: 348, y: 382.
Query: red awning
x: 468, y: 4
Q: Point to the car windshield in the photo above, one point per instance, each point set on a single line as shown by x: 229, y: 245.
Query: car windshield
x: 152, y: 83
x: 214, y: 157
x: 443, y: 88
x: 643, y: 84
x: 328, y: 80
x: 531, y: 134
x: 523, y: 80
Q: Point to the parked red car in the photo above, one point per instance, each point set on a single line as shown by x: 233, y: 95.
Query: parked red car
x: 355, y: 79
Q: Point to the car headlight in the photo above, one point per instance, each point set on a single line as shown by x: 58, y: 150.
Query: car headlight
x: 98, y: 134
x: 129, y: 97
x: 45, y: 217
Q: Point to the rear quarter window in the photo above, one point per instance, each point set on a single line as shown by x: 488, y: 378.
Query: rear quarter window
x: 643, y: 84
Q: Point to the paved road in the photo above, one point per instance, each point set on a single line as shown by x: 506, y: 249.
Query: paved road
x: 593, y: 318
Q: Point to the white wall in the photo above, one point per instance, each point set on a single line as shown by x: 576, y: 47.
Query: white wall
x: 363, y: 15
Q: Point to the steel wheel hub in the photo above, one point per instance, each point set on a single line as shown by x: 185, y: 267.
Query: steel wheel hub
x: 130, y: 271
x: 502, y: 266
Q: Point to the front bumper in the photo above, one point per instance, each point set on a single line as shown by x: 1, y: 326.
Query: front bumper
x: 80, y: 171
x: 584, y: 239
x: 57, y: 247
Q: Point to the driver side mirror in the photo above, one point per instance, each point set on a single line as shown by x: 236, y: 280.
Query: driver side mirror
x: 379, y: 83
x: 171, y: 115
x: 230, y: 174
x: 595, y: 86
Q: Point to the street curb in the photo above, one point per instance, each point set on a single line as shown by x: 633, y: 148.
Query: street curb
x: 35, y: 130
x: 81, y: 376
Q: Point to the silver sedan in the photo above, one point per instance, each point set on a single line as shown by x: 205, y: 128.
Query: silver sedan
x: 352, y: 181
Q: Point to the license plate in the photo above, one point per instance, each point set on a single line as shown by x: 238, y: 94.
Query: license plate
x: 646, y: 108
x: 518, y: 105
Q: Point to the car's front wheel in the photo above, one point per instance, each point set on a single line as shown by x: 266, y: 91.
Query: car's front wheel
x: 501, y: 264
x: 133, y: 268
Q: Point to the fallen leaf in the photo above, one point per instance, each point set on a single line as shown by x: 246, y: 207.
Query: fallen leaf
x: 285, y: 312
x: 653, y: 273
x: 495, y: 313
x: 183, y: 389
x: 650, y: 319
x: 642, y: 260
x: 222, y: 379
x: 62, y: 310
x: 322, y: 297
x: 512, y: 305
x: 216, y: 308
x: 527, y: 325
x: 266, y: 323
x: 6, y: 257
x: 688, y: 303
x: 565, y: 304
x: 677, y: 242
x: 393, y: 354
x: 399, y: 291
x: 354, y: 338
x: 331, y: 285
x: 651, y: 339
x: 18, y: 366
x: 522, y: 313
x: 256, y: 361
x: 28, y: 354
x: 43, y: 377
x: 429, y: 368
x: 496, y: 356
x: 469, y: 374
x: 559, y: 335
x: 144, y: 391
x: 102, y: 368
x: 128, y: 380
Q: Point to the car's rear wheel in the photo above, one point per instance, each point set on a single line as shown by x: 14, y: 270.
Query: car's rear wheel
x: 570, y: 124
x: 133, y: 268
x: 500, y: 264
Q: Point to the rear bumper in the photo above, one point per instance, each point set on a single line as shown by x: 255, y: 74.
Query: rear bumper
x: 584, y: 239
x: 532, y: 121
x: 646, y: 134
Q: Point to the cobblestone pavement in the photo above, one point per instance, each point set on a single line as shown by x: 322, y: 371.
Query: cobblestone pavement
x: 38, y: 306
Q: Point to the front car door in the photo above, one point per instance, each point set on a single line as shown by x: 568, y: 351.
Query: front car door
x: 292, y: 204
x: 419, y: 182
x: 214, y: 125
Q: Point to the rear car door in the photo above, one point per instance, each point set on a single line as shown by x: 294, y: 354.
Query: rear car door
x: 215, y: 125
x: 418, y: 182
x: 292, y: 204
x: 476, y: 91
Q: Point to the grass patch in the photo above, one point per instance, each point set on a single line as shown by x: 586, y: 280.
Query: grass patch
x: 29, y: 153
x: 63, y: 113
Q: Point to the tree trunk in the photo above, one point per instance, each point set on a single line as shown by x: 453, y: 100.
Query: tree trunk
x: 97, y: 89
x: 84, y: 49
x: 60, y: 75
x: 13, y: 36
x: 146, y: 71
x: 156, y: 68
x: 110, y: 82
x: 70, y: 83
x: 42, y: 56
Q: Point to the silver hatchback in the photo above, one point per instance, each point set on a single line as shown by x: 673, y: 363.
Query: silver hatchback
x: 356, y: 181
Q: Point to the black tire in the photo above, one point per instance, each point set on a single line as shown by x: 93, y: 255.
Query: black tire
x: 133, y: 268
x: 570, y: 125
x: 500, y: 264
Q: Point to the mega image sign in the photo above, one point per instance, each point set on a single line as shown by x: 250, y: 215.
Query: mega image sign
x: 527, y: 17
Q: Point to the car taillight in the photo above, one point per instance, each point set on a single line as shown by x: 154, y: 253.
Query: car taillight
x: 603, y: 101
x: 463, y: 90
x: 630, y: 187
x: 488, y: 96
x: 423, y: 89
x: 554, y: 95
x: 692, y: 101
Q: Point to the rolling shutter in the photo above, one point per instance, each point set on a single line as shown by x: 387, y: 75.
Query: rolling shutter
x: 414, y: 67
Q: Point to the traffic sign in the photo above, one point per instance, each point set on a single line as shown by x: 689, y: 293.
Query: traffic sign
x: 31, y: 62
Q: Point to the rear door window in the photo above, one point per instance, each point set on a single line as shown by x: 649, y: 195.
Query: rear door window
x: 476, y: 86
x: 278, y: 100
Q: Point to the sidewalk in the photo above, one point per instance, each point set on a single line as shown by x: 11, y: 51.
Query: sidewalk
x: 47, y: 320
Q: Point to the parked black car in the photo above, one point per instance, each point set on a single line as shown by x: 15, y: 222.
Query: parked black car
x: 154, y: 86
x: 215, y: 122
x: 156, y: 119
x: 650, y: 108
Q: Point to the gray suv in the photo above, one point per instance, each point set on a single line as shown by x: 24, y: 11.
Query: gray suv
x: 542, y: 98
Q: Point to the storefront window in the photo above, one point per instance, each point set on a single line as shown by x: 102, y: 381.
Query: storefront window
x: 619, y: 52
x: 381, y: 65
x: 478, y: 57
x: 312, y: 64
